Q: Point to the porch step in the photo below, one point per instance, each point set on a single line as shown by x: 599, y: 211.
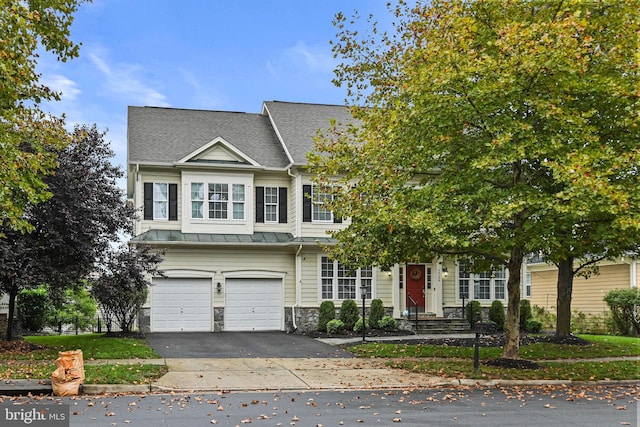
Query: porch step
x: 438, y: 325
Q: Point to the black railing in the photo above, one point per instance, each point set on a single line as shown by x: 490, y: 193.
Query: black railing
x: 414, y: 303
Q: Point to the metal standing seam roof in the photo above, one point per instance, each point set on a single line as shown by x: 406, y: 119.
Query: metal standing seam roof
x: 170, y: 236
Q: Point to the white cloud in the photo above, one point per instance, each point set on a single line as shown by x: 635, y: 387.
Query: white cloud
x: 124, y: 81
x: 303, y: 58
x: 67, y: 88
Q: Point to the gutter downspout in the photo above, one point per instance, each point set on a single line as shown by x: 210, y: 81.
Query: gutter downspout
x: 298, y: 287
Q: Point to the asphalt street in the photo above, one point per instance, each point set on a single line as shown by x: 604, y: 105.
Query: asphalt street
x: 490, y: 407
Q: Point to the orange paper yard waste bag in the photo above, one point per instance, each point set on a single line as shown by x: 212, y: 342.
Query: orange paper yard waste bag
x: 69, y: 373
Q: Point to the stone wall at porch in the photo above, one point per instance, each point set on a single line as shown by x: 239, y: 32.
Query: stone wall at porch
x: 307, y: 318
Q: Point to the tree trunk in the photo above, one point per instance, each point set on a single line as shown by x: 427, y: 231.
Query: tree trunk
x: 512, y: 328
x: 563, y: 301
x: 13, y: 293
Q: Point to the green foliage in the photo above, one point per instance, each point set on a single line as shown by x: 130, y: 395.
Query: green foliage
x: 388, y: 323
x: 496, y: 314
x: 376, y: 313
x: 29, y: 137
x: 624, y: 305
x: 547, y: 318
x: 327, y: 314
x: 349, y: 313
x: 582, y: 323
x: 468, y: 100
x: 357, y: 327
x: 335, y: 326
x: 533, y: 325
x: 525, y: 313
x: 33, y: 308
x: 473, y: 312
x: 75, y: 305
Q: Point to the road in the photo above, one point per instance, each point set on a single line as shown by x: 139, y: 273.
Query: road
x: 491, y: 407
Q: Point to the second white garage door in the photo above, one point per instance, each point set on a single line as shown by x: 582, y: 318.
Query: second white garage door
x: 253, y: 305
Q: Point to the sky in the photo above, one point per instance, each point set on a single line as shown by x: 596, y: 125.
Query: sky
x: 197, y: 54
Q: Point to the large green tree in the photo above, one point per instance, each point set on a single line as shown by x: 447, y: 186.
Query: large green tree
x: 74, y: 229
x: 28, y: 136
x: 475, y: 133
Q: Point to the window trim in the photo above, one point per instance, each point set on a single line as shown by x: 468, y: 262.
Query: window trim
x: 473, y: 281
x: 230, y: 200
x: 335, y: 279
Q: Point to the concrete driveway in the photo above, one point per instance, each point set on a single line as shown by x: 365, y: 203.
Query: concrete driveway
x: 219, y: 345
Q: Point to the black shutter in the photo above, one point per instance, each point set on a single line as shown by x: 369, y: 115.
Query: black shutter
x: 282, y: 208
x: 306, y: 203
x: 337, y: 220
x: 259, y: 204
x: 173, y: 202
x: 148, y: 200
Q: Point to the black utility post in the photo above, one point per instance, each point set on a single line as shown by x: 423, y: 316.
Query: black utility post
x: 363, y: 293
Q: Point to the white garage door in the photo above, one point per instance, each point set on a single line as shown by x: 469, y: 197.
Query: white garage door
x: 253, y: 305
x: 181, y: 305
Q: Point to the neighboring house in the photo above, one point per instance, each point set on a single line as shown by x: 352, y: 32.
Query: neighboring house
x: 588, y: 294
x: 227, y: 195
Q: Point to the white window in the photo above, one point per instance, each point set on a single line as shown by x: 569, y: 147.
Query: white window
x: 197, y: 200
x: 319, y: 210
x: 220, y: 206
x: 484, y: 286
x: 238, y: 201
x: 527, y: 286
x: 271, y: 204
x: 160, y: 200
x: 337, y: 281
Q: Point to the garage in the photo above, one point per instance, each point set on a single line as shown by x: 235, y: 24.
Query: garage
x: 253, y: 304
x: 181, y: 305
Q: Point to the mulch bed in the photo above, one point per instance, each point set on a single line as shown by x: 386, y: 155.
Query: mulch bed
x: 19, y: 346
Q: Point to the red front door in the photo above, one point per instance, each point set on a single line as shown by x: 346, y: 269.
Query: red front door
x: 415, y: 287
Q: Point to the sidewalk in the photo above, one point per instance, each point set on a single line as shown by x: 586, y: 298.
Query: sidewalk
x: 268, y: 374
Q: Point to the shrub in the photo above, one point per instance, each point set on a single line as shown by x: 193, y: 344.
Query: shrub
x: 473, y: 312
x: 376, y: 313
x: 623, y: 304
x: 327, y: 314
x: 358, y: 325
x: 335, y: 326
x: 533, y: 326
x: 75, y: 306
x: 496, y: 314
x: 34, y: 307
x: 547, y: 318
x: 349, y: 313
x: 525, y: 313
x: 388, y: 323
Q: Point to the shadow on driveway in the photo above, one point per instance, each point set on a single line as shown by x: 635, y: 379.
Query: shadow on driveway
x: 188, y: 345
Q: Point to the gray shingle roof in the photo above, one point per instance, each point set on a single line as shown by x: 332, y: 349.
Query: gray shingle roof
x: 299, y: 123
x: 165, y: 135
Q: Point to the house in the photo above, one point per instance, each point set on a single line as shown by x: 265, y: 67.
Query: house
x: 588, y: 293
x: 226, y: 194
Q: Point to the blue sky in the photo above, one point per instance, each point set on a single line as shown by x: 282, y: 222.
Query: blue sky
x: 215, y: 55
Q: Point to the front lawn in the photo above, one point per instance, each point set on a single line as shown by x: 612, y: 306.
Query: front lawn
x: 93, y: 346
x: 457, y: 361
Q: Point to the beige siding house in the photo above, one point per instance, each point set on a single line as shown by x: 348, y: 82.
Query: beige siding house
x: 227, y: 196
x: 588, y: 294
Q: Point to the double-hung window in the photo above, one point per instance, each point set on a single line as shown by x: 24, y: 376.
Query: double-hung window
x: 160, y: 200
x: 271, y: 204
x: 320, y: 212
x: 218, y: 201
x: 483, y: 286
x: 340, y: 282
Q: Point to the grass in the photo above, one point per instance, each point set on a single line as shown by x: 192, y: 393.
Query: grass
x: 95, y: 374
x: 458, y: 361
x: 601, y: 346
x: 93, y: 346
